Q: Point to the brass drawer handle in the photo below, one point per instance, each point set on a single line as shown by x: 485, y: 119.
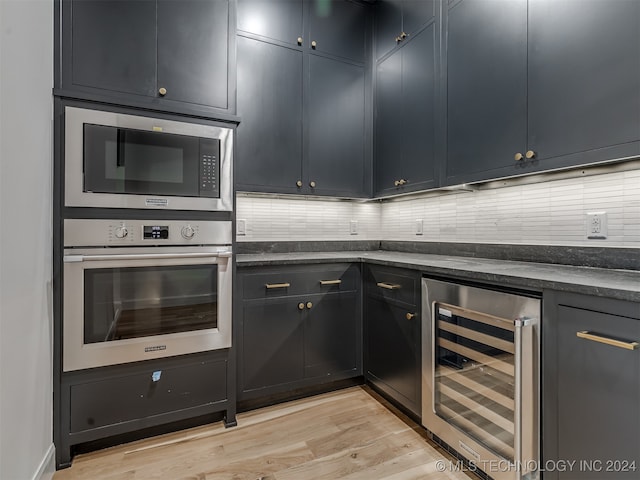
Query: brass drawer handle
x: 330, y: 282
x: 410, y: 316
x: 607, y: 341
x: 277, y: 285
x: 388, y: 286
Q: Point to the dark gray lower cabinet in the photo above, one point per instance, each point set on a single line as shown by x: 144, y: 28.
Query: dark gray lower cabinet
x: 392, y: 334
x: 298, y: 326
x: 591, y: 387
x: 124, y: 399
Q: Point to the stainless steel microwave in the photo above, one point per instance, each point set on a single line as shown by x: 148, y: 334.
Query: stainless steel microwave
x: 116, y: 160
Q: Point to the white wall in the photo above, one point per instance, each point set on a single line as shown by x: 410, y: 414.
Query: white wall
x: 26, y: 66
x: 551, y: 212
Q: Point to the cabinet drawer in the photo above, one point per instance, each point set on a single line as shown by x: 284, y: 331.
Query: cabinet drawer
x: 296, y: 280
x: 130, y: 397
x: 393, y: 283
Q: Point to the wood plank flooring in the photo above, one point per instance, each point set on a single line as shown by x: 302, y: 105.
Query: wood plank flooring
x: 348, y: 434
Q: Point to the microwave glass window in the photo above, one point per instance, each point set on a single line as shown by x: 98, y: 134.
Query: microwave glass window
x: 118, y: 160
x: 122, y: 303
x: 142, y: 163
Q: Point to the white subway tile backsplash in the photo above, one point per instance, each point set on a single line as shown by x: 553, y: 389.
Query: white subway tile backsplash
x: 549, y: 213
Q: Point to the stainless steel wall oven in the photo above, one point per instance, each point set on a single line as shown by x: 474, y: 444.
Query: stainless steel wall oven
x: 116, y: 160
x: 136, y: 290
x: 481, y: 376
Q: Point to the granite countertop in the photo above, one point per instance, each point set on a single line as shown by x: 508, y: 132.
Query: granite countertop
x: 620, y: 284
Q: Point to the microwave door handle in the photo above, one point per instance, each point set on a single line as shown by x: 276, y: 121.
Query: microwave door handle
x: 120, y: 147
x: 144, y: 256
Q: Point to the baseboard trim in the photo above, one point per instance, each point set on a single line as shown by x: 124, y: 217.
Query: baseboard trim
x: 47, y: 466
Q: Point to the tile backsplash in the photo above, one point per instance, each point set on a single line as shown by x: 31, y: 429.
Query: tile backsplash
x: 546, y: 213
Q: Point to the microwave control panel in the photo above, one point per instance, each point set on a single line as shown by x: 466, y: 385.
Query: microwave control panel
x: 209, y: 167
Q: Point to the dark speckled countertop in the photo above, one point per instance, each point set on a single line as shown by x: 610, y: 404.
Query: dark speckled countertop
x: 612, y: 283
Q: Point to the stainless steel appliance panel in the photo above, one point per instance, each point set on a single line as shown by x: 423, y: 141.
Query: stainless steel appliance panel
x: 480, y: 376
x: 76, y: 195
x: 145, y: 297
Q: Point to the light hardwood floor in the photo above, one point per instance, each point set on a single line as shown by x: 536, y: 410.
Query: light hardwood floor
x: 346, y: 434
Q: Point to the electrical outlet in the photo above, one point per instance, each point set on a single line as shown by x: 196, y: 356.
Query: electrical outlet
x: 597, y: 225
x: 418, y: 226
x: 353, y: 227
x: 241, y: 227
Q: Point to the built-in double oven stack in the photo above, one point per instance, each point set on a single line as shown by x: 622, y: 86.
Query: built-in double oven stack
x: 145, y: 261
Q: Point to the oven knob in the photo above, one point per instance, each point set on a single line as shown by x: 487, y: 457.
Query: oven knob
x: 121, y: 232
x: 188, y: 231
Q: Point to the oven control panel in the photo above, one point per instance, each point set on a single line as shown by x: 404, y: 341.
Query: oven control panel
x: 100, y: 232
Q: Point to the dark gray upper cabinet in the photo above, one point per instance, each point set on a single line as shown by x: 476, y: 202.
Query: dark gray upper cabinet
x: 397, y: 20
x: 336, y: 132
x: 269, y: 138
x: 405, y: 120
x: 193, y: 51
x: 591, y: 388
x: 540, y: 85
x: 486, y: 89
x: 338, y: 28
x: 279, y: 20
x: 113, y: 46
x: 161, y: 54
x: 584, y: 80
x: 303, y: 107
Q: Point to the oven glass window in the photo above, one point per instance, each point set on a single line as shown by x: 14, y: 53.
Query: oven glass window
x: 118, y: 160
x: 475, y: 376
x: 122, y: 303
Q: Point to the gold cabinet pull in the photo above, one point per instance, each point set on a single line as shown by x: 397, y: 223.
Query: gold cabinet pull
x: 277, y: 285
x: 410, y: 316
x: 162, y: 91
x: 607, y: 341
x: 518, y: 156
x: 388, y: 286
x: 330, y: 282
x: 314, y: 44
x: 301, y: 306
x: 396, y: 183
x: 300, y: 41
x: 309, y: 305
x: 403, y: 36
x: 299, y: 183
x: 312, y: 184
x: 530, y: 154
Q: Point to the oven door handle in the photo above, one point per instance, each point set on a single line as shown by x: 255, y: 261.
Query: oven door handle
x: 144, y: 256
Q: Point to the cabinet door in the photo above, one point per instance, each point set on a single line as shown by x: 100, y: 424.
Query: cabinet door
x: 416, y: 13
x: 269, y: 146
x: 388, y: 124
x: 487, y: 88
x: 392, y: 360
x: 272, y: 343
x: 584, y: 76
x: 419, y: 110
x: 388, y: 22
x: 193, y: 44
x: 275, y: 19
x: 338, y: 28
x: 592, y: 404
x: 331, y: 335
x: 113, y: 45
x: 336, y: 127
